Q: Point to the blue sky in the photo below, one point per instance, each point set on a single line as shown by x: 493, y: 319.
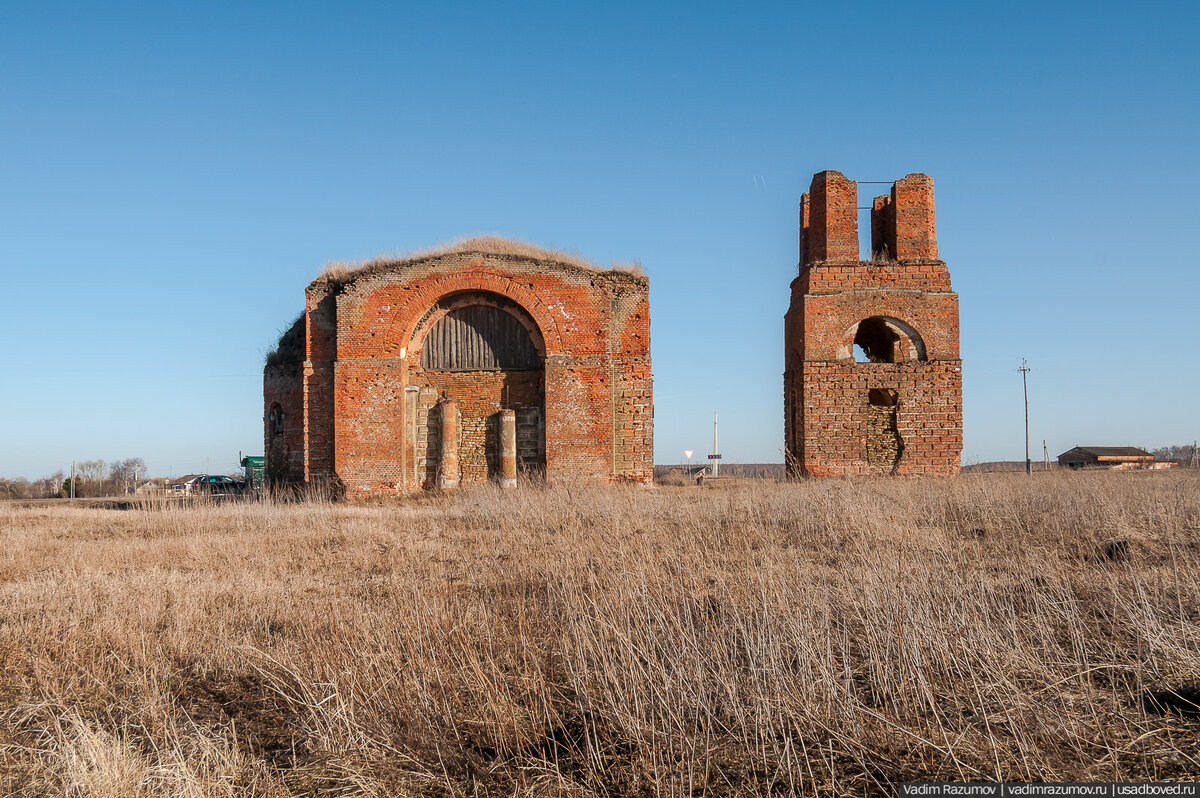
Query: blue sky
x: 172, y: 175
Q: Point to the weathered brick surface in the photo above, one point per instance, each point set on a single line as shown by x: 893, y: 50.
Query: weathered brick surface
x: 830, y: 425
x: 283, y: 406
x: 368, y: 412
x: 283, y: 393
x: 321, y: 321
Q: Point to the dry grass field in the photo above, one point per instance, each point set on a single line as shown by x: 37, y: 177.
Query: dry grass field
x: 747, y: 638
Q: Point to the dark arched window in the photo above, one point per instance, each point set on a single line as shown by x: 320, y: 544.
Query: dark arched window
x: 876, y: 341
x: 478, y: 338
x: 276, y: 419
x: 882, y: 339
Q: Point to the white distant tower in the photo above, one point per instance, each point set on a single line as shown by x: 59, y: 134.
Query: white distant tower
x: 716, y: 456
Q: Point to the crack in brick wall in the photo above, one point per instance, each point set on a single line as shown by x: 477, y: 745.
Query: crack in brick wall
x: 883, y: 440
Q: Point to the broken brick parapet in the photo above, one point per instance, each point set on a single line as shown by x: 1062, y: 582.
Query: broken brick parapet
x: 902, y: 223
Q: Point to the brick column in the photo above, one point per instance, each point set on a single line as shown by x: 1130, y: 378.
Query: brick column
x: 915, y: 230
x: 508, y: 449
x: 448, y: 471
x: 832, y: 233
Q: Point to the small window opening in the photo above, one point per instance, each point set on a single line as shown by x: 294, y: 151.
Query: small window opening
x: 881, y: 397
x: 276, y: 418
x: 875, y: 342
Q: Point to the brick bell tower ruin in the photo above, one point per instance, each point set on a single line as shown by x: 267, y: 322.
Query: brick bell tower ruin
x: 872, y: 380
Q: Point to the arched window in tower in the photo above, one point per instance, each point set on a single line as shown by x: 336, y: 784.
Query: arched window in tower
x: 875, y: 342
x: 478, y: 338
x: 882, y: 339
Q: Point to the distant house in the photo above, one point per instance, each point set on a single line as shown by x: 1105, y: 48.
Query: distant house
x: 1113, y: 457
x: 152, y: 486
x: 180, y: 485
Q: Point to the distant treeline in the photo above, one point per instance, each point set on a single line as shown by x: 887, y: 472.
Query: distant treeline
x: 1178, y: 454
x: 92, y: 478
x: 22, y: 488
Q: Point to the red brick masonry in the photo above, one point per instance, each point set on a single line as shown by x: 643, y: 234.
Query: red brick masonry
x: 901, y: 413
x: 360, y: 413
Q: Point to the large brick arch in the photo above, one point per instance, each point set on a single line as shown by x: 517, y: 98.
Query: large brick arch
x: 429, y: 291
x: 909, y: 334
x: 461, y: 299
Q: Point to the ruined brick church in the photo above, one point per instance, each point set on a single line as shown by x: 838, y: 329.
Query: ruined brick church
x: 493, y: 360
x: 485, y: 360
x: 872, y: 380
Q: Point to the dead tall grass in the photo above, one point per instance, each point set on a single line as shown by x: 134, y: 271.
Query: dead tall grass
x: 833, y: 636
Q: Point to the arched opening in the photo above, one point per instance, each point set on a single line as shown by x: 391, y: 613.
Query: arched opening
x: 478, y: 338
x: 875, y: 342
x: 277, y: 445
x: 882, y: 339
x: 486, y: 353
x: 275, y: 420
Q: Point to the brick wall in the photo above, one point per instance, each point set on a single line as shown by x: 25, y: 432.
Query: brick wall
x: 837, y: 417
x: 830, y: 425
x: 370, y: 412
x: 285, y: 449
x: 283, y: 394
x: 321, y: 324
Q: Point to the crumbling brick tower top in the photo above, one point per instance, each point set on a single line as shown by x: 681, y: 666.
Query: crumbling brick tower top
x: 872, y: 380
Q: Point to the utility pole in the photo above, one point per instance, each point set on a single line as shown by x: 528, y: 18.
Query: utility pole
x: 72, y: 480
x: 1045, y: 454
x: 1025, y: 382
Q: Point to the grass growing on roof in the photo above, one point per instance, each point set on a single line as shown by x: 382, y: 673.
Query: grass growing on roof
x: 341, y: 272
